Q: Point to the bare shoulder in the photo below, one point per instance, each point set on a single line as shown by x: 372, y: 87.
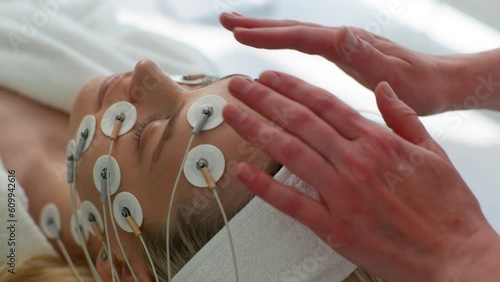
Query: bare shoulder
x: 27, y: 125
x: 33, y: 139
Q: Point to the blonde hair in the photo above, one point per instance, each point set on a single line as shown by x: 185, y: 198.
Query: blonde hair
x: 46, y: 267
x: 191, y: 231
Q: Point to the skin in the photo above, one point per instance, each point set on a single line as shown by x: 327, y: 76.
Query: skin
x: 415, y: 221
x: 33, y: 144
x: 407, y: 215
x: 151, y: 186
x: 429, y: 84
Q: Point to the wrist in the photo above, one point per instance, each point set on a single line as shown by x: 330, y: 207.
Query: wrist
x: 475, y: 81
x: 477, y: 259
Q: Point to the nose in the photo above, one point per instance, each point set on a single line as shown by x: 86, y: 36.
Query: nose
x: 150, y: 83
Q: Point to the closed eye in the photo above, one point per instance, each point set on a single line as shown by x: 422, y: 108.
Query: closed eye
x: 141, y: 126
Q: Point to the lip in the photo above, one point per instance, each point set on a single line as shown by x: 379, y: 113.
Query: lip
x: 103, y: 90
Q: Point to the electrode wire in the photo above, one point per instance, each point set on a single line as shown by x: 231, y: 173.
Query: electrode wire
x: 99, y: 236
x: 72, y: 189
x: 110, y: 206
x: 109, y: 254
x: 66, y: 255
x: 106, y: 231
x: 137, y: 232
x: 149, y: 257
x: 172, y: 201
x: 231, y: 245
x: 105, y: 219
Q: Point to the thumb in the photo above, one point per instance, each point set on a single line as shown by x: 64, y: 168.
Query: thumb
x: 402, y: 119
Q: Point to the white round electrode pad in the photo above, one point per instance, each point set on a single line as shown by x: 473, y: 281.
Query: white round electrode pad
x: 88, y: 123
x: 216, y: 164
x: 71, y: 148
x: 109, y: 118
x: 50, y: 217
x: 129, y: 201
x: 86, y: 210
x: 195, y: 112
x: 74, y: 230
x: 114, y: 174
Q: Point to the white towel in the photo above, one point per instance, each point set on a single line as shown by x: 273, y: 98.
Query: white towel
x: 81, y: 40
x: 25, y: 238
x: 269, y: 246
x: 51, y: 48
x: 50, y: 61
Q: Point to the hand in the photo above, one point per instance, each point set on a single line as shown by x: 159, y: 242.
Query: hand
x: 391, y: 202
x: 426, y: 83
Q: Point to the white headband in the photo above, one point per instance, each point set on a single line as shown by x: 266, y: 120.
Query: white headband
x: 269, y: 246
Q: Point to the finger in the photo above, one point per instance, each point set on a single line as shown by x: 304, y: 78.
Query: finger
x: 325, y: 105
x: 230, y: 21
x: 339, y: 45
x: 402, y: 119
x: 283, y: 147
x: 286, y: 199
x: 290, y: 115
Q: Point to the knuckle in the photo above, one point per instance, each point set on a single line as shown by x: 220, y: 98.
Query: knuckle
x: 367, y: 173
x: 301, y: 42
x: 293, y: 204
x: 300, y: 116
x: 407, y: 112
x: 255, y: 92
x: 359, y: 167
x: 323, y: 104
x: 291, y: 149
x: 353, y: 119
x: 292, y: 83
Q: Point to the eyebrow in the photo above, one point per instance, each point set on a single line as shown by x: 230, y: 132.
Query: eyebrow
x: 168, y: 130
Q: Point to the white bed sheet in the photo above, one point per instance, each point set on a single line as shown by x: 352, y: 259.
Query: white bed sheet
x: 472, y: 139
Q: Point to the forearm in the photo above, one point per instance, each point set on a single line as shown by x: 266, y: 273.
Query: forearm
x: 474, y: 81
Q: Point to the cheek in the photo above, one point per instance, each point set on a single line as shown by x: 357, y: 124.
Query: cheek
x: 85, y: 182
x: 85, y: 103
x: 85, y: 167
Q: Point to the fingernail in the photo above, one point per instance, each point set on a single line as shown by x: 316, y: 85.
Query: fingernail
x: 351, y: 39
x: 233, y: 15
x: 241, y: 85
x: 237, y: 14
x: 229, y: 15
x: 388, y: 92
x: 245, y: 173
x: 234, y: 113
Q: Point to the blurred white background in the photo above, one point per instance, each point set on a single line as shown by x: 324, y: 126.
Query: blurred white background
x: 440, y: 27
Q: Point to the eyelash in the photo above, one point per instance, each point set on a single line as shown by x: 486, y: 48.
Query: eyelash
x: 152, y: 118
x: 142, y: 126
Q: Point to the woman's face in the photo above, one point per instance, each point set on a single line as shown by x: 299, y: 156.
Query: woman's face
x: 150, y: 179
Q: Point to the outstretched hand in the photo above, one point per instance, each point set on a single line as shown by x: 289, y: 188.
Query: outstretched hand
x: 422, y: 81
x: 391, y: 202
